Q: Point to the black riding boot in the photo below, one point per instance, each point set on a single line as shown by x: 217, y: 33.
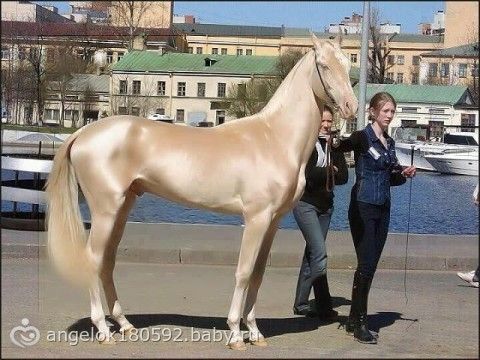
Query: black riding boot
x: 358, y: 312
x: 323, y: 300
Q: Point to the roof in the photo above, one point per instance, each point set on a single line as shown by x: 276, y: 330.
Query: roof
x: 181, y: 62
x: 430, y: 94
x: 93, y: 31
x: 96, y: 83
x: 229, y: 30
x: 416, y: 38
x: 464, y: 51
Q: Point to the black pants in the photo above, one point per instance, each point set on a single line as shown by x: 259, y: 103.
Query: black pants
x: 369, y: 228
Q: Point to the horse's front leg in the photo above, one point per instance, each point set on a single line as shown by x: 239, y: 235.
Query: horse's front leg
x: 256, y: 227
x: 255, y: 336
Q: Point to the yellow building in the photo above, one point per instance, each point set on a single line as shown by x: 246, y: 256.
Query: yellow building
x: 461, y: 23
x: 146, y: 14
x: 231, y: 39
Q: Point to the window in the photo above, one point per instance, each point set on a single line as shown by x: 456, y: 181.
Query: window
x: 160, y: 111
x: 221, y: 89
x: 51, y: 114
x: 190, y: 50
x: 5, y: 53
x: 409, y: 109
x: 181, y: 88
x: 123, y: 87
x: 462, y: 70
x: 122, y: 110
x: 109, y: 57
x: 224, y: 51
x: 414, y: 78
x: 436, y: 128
x: 469, y: 121
x: 220, y: 117
x: 214, y: 51
x: 180, y: 115
x: 390, y: 76
x: 391, y: 59
x: 199, y: 50
x: 474, y: 70
x: 50, y: 55
x: 239, y: 51
x: 136, y: 86
x: 432, y: 69
x: 22, y: 53
x: 416, y: 60
x: 71, y: 115
x: 351, y: 126
x: 135, y: 111
x: 399, y: 78
x: 161, y: 88
x: 444, y: 70
x: 400, y: 59
x: 408, y: 123
x: 201, y: 89
x: 248, y: 52
x: 436, y: 111
x: 353, y: 58
x: 120, y: 55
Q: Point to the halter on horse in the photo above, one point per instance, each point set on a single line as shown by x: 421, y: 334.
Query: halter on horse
x: 261, y: 177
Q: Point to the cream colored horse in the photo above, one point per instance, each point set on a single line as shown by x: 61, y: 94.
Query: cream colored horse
x: 259, y: 174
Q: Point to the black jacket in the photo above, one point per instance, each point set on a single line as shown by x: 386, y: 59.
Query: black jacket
x: 316, y: 177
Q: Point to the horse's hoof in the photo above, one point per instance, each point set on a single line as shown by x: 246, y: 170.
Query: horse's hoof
x: 238, y: 345
x: 128, y: 331
x: 108, y: 341
x: 260, y: 342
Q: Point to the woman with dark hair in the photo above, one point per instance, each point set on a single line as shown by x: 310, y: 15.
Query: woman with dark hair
x: 376, y: 169
x: 313, y: 214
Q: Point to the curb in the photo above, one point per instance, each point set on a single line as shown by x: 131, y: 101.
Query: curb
x: 220, y: 245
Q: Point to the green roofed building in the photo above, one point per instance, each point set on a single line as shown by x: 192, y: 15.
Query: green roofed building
x: 189, y: 88
x: 433, y: 105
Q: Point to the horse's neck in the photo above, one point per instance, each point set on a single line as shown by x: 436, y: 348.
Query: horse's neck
x: 293, y: 113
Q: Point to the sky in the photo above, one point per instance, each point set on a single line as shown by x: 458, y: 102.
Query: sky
x: 314, y: 15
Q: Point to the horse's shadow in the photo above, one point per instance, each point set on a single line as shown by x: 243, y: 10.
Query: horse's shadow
x: 269, y: 326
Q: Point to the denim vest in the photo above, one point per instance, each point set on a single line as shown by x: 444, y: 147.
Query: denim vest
x: 373, y: 169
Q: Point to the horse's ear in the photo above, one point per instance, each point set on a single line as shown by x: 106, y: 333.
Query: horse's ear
x: 318, y: 45
x: 315, y: 40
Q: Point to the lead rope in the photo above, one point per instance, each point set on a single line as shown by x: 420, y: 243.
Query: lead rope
x: 408, y: 230
x: 330, y: 184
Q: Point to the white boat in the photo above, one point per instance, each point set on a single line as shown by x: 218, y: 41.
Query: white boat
x: 454, y: 142
x: 455, y: 162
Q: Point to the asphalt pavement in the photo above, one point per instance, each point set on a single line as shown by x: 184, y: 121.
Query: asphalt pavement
x: 181, y: 312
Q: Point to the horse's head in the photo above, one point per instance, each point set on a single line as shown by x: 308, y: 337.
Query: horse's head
x: 333, y: 69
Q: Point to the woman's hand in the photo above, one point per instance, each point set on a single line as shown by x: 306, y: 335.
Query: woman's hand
x: 409, y: 171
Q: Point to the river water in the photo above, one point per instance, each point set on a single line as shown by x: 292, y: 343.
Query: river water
x: 440, y: 204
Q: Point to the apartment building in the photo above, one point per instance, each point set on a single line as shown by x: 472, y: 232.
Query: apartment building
x: 189, y: 88
x: 29, y: 12
x: 231, y: 39
x: 435, y: 106
x: 147, y: 14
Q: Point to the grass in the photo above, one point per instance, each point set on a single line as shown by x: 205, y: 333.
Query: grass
x: 40, y: 129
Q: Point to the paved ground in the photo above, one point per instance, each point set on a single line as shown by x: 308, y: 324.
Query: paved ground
x: 440, y: 319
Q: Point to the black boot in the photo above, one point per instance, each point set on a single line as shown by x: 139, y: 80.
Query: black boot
x: 323, y: 300
x: 357, y: 322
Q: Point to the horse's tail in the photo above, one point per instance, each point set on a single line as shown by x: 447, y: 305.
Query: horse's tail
x: 66, y: 234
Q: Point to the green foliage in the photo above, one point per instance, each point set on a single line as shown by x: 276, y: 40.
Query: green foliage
x: 40, y: 129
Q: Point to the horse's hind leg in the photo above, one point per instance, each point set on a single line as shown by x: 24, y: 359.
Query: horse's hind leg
x: 104, y: 210
x: 255, y: 228
x: 256, y: 337
x: 106, y: 273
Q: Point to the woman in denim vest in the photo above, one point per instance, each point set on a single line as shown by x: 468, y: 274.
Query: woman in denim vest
x: 376, y: 169
x: 312, y: 214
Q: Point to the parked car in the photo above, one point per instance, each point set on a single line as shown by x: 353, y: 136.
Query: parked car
x: 160, y: 117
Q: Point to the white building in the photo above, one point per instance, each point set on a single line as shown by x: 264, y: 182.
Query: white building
x: 189, y: 88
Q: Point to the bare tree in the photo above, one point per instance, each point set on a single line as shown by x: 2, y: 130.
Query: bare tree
x: 130, y: 14
x: 379, y: 55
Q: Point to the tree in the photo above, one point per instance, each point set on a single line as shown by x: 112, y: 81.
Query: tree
x: 250, y: 97
x: 130, y: 14
x: 378, y: 57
